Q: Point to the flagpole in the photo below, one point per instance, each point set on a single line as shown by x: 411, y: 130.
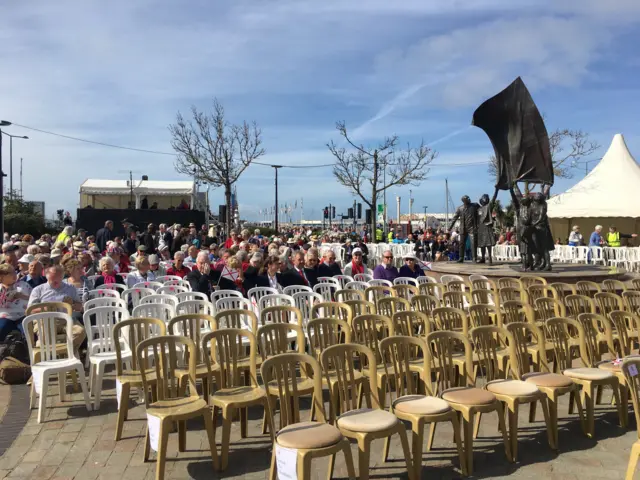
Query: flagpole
x: 301, y: 210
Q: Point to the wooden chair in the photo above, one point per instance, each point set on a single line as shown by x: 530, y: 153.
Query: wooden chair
x: 362, y: 424
x: 614, y: 286
x: 511, y: 293
x: 529, y: 280
x: 507, y: 282
x: 389, y: 305
x: 360, y: 307
x: 484, y: 297
x: 551, y: 384
x: 561, y: 290
x: 451, y: 319
x: 349, y: 294
x: 459, y: 300
x: 630, y: 369
x: 484, y: 314
x: 193, y: 326
x: 134, y: 331
x: 631, y: 299
x: 405, y: 291
x: 433, y: 289
x: 608, y: 302
x: 231, y: 392
x: 589, y: 376
x: 332, y: 310
x: 587, y: 288
x: 409, y: 404
x: 177, y: 398
x: 488, y: 341
x: 309, y: 440
x: 467, y: 400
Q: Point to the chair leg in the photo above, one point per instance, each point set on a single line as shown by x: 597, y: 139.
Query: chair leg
x: 227, y: 417
x: 74, y: 380
x: 43, y: 398
x: 208, y: 425
x: 532, y: 412
x: 476, y: 425
x: 83, y: 385
x: 513, y: 429
x: 214, y: 419
x: 123, y: 410
x: 552, y: 406
x: 467, y: 426
x: 32, y: 394
x: 587, y: 390
x: 346, y: 450
x: 363, y: 458
x: 432, y: 434
x: 243, y: 421
x: 332, y: 464
x: 504, y: 432
x: 572, y: 397
x: 622, y: 414
x: 456, y: 435
x: 547, y: 421
x: 182, y: 435
x: 599, y: 395
x: 163, y: 440
x: 98, y: 385
x: 304, y: 466
x: 92, y: 378
x: 385, y: 449
x: 62, y: 384
x: 633, y: 461
x: 273, y: 474
x: 402, y: 433
x: 583, y: 422
x: 417, y: 438
x: 624, y: 405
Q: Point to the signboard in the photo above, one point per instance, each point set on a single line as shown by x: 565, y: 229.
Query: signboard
x: 380, y: 208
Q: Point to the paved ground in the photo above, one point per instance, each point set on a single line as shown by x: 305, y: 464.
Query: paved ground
x: 76, y: 444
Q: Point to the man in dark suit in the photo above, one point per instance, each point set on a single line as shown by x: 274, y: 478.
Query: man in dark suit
x: 295, y: 275
x: 252, y: 278
x: 329, y: 267
x: 202, y: 277
x: 104, y: 235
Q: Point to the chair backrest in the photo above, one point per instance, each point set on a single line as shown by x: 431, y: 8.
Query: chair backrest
x: 280, y: 314
x: 460, y: 300
x: 370, y: 329
x: 425, y: 279
x: 47, y: 323
x: 405, y: 291
x: 355, y: 285
x: 167, y: 278
x: 92, y: 279
x: 517, y: 311
x: 547, y: 308
x: 577, y: 304
x: 387, y: 306
x: 484, y: 297
x: 161, y: 311
x: 275, y: 339
x: 325, y: 332
x: 561, y: 290
x: 190, y: 295
x: 172, y: 290
x: 339, y: 361
x: 293, y: 289
x: 410, y: 323
x: 475, y: 277
x: 631, y: 299
x: 636, y: 283
x: 559, y: 336
x: 487, y: 341
x: 275, y: 300
x: 456, y: 286
x: 330, y: 280
x: 522, y: 335
x: 193, y: 326
x: 304, y: 301
x: 451, y: 319
x: 134, y: 296
x: 178, y: 282
x: 398, y: 352
x: 228, y: 349
x: 360, y: 307
x: 168, y: 354
x: 99, y: 323
x: 343, y: 279
x: 327, y: 290
x: 587, y: 288
x: 232, y: 303
x: 444, y: 347
x: 608, y: 302
x: 626, y: 325
x: 118, y: 287
x: 281, y: 372
x: 511, y: 293
x: 445, y: 279
x: 195, y: 306
x: 153, y: 285
x: 425, y: 304
x: 484, y: 314
x: 509, y: 282
x: 378, y: 282
x: 592, y: 324
x: 483, y: 284
x: 101, y: 293
x: 434, y: 289
x: 255, y: 294
x: 538, y: 291
x: 104, y: 302
x: 163, y: 299
x: 240, y: 318
x: 529, y: 280
x: 349, y: 294
x: 405, y: 281
x: 218, y: 294
x: 375, y: 293
x: 332, y: 310
x: 133, y: 331
x: 59, y: 307
x: 362, y: 277
x: 614, y: 286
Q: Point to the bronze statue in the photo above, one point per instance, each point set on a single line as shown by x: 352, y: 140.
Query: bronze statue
x: 486, y: 237
x: 468, y: 215
x: 541, y: 230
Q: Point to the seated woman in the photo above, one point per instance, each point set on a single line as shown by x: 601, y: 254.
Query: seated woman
x: 108, y: 273
x: 144, y: 273
x: 410, y: 268
x: 178, y: 269
x: 75, y: 277
x: 13, y: 301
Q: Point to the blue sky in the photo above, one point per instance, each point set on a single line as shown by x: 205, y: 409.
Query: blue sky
x: 119, y: 71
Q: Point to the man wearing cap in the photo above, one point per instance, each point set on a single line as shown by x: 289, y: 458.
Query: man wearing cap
x: 386, y: 270
x: 23, y: 264
x: 141, y: 252
x: 104, y: 235
x: 411, y: 267
x: 128, y: 227
x: 356, y: 265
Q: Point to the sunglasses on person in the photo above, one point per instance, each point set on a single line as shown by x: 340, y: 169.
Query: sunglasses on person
x: 388, y: 256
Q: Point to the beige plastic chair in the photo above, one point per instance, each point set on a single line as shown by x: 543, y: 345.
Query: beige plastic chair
x: 587, y: 288
x: 630, y: 369
x: 459, y: 300
x: 631, y: 299
x: 588, y: 377
x: 530, y: 280
x: 349, y: 294
x: 360, y: 307
x: 484, y: 284
x: 517, y: 311
x: 511, y: 293
x: 239, y: 318
x: 484, y: 297
x: 281, y: 314
x: 332, y: 310
x: 309, y: 439
x: 410, y: 323
x: 608, y: 302
x: 425, y: 304
x: 627, y: 325
x: 484, y: 314
x: 561, y: 290
x: 577, y: 304
x: 134, y: 331
x: 362, y: 424
x: 513, y: 393
x: 547, y: 308
x: 539, y: 291
x: 373, y: 294
x: 507, y: 282
x: 451, y: 319
x: 614, y: 286
x: 456, y: 286
x: 551, y: 384
x: 409, y: 404
x: 194, y: 326
x: 636, y: 283
x: 177, y: 399
x: 231, y: 392
x: 433, y: 289
x: 405, y: 291
x: 466, y: 399
x: 389, y: 305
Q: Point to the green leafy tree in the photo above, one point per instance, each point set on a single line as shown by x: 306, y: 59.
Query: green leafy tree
x: 20, y: 216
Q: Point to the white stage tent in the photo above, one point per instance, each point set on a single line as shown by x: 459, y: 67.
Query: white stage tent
x: 606, y: 196
x: 99, y: 193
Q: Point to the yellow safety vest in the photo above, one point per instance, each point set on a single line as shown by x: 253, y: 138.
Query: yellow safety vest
x: 613, y: 239
x: 390, y: 237
x: 378, y: 235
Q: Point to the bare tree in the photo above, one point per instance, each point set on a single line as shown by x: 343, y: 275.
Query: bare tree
x: 567, y: 148
x: 214, y: 150
x: 368, y: 172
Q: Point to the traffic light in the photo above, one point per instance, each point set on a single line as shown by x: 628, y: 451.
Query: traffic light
x: 326, y: 212
x: 333, y: 213
x: 222, y: 213
x: 359, y: 211
x: 367, y: 215
x: 350, y: 213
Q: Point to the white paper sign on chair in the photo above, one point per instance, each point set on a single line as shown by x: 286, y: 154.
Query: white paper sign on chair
x: 154, y: 431
x: 118, y: 392
x: 37, y: 380
x: 286, y: 463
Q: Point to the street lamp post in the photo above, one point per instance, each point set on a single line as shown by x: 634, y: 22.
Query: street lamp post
x: 276, y: 167
x: 11, y: 137
x: 3, y: 123
x: 426, y: 224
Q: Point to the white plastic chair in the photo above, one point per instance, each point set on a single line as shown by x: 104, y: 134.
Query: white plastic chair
x: 380, y: 283
x: 581, y: 255
x: 166, y: 278
x: 152, y: 285
x: 158, y: 298
x: 405, y: 281
x: 326, y: 290
x: 293, y: 289
x: 161, y: 311
x: 92, y: 279
x: 356, y: 285
x: 256, y: 293
x: 425, y: 279
x: 330, y: 280
x: 275, y: 300
x: 343, y: 279
x: 100, y: 293
x: 194, y: 306
x: 362, y: 277
x: 104, y: 302
x: 101, y: 349
x: 172, y: 290
x: 49, y: 363
x: 303, y: 301
x: 119, y: 287
x: 444, y: 279
x: 597, y: 255
x: 190, y: 295
x: 133, y: 296
x: 180, y: 282
x: 218, y: 294
x: 475, y: 276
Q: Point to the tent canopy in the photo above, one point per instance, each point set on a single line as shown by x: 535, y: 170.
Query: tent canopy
x: 608, y: 191
x: 140, y: 187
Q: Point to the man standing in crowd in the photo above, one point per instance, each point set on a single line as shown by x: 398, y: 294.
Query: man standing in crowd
x: 596, y: 237
x: 149, y: 239
x: 165, y: 236
x: 614, y: 236
x: 104, y: 235
x: 386, y: 271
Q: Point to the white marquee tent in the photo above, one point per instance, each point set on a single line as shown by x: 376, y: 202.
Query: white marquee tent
x: 606, y: 196
x: 99, y: 193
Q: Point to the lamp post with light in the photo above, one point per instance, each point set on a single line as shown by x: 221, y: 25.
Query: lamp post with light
x: 11, y: 137
x: 3, y: 123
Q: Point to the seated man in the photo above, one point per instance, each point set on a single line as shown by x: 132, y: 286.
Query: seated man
x: 55, y: 290
x: 329, y: 267
x: 386, y: 270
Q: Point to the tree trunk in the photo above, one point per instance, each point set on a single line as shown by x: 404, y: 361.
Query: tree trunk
x: 227, y: 199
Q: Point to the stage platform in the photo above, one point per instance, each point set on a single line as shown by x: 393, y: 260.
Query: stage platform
x: 562, y: 272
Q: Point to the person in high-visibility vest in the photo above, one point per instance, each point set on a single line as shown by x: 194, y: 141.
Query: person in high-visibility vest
x: 614, y: 236
x: 379, y: 234
x: 390, y: 237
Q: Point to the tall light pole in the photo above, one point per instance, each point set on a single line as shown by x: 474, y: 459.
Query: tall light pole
x: 426, y: 224
x: 276, y: 167
x: 3, y: 123
x: 11, y: 137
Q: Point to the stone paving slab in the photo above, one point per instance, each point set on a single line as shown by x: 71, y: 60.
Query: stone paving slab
x: 75, y: 444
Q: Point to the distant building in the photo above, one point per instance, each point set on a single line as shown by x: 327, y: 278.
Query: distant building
x: 38, y: 207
